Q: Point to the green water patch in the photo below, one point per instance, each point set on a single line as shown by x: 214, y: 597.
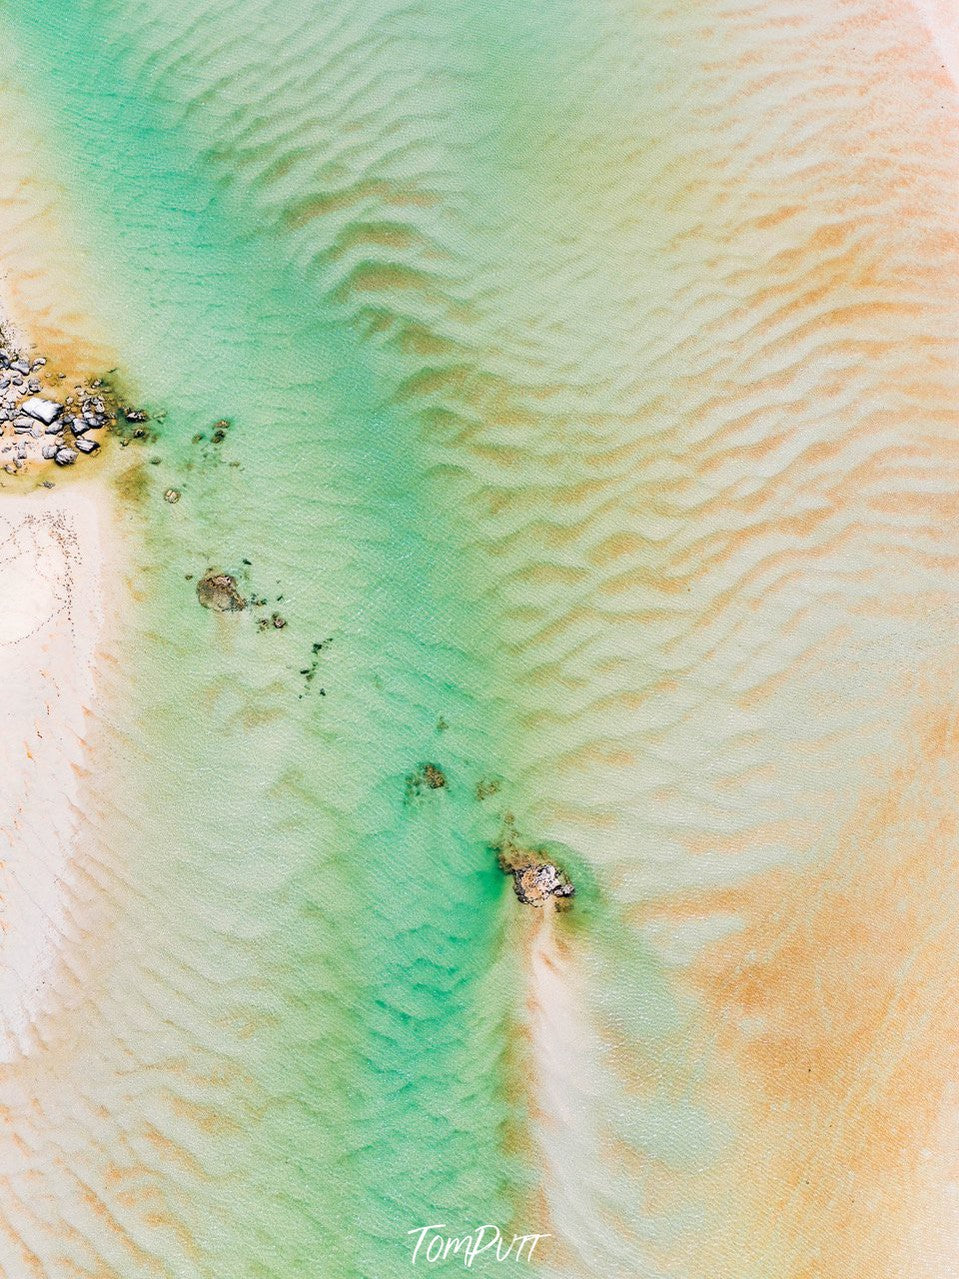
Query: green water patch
x: 268, y: 833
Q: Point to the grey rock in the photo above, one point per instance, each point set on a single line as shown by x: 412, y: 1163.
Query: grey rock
x: 49, y: 451
x: 20, y: 366
x: 45, y: 411
x: 65, y: 457
x: 87, y: 446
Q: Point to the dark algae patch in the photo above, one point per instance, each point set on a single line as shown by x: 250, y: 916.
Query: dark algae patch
x: 486, y: 787
x: 433, y: 777
x: 309, y: 672
x: 132, y: 484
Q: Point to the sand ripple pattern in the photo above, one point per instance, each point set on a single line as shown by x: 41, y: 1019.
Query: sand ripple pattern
x: 666, y: 301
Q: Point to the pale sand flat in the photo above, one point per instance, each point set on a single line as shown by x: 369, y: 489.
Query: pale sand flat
x: 50, y: 619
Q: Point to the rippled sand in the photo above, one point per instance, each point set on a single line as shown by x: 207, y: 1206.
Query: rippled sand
x: 659, y: 314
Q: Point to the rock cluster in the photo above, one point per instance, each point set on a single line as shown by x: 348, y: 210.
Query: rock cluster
x: 536, y: 880
x: 38, y: 423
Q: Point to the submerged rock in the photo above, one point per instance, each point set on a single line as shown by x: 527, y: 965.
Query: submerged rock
x: 219, y: 592
x: 426, y: 777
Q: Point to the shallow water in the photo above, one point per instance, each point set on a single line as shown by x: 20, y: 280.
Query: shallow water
x: 302, y: 958
x: 588, y: 374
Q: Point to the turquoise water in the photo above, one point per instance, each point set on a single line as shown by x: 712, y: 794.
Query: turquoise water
x: 306, y: 962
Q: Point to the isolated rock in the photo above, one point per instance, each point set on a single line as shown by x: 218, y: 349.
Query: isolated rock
x: 536, y: 879
x: 536, y: 884
x: 219, y: 592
